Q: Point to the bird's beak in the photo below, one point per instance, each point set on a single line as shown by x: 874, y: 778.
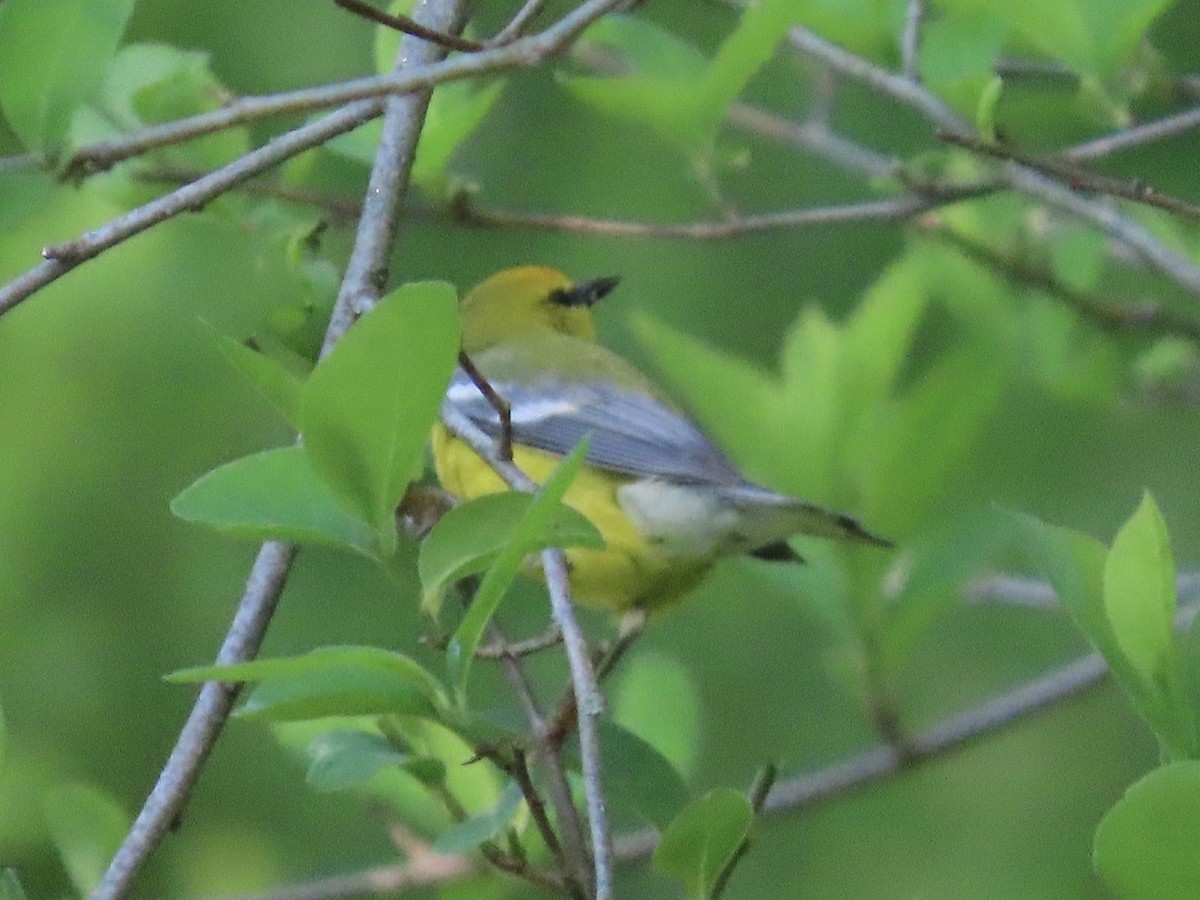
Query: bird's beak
x: 587, y: 293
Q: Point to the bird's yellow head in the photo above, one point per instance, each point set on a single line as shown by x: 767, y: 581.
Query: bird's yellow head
x: 517, y: 302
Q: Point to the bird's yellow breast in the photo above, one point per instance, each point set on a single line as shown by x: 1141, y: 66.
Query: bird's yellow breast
x: 629, y: 572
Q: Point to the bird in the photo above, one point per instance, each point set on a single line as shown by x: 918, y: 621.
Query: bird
x: 667, y: 501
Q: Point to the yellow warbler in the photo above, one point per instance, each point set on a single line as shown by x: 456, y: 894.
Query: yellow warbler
x: 667, y: 501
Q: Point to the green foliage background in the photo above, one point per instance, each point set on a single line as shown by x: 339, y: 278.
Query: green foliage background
x: 113, y: 398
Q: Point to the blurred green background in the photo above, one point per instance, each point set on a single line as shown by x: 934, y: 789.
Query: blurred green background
x: 113, y: 398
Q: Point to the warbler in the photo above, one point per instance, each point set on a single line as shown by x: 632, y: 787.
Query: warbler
x: 666, y: 500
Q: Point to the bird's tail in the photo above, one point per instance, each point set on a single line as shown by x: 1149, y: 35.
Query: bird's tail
x: 769, y: 517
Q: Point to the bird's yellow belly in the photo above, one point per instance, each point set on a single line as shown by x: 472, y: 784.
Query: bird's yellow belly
x: 629, y: 572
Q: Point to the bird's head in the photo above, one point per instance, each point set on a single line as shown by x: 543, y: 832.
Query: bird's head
x: 522, y: 300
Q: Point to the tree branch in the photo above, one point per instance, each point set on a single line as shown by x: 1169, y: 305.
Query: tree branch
x: 526, y: 52
x: 583, y: 680
x: 402, y: 124
x: 199, y: 734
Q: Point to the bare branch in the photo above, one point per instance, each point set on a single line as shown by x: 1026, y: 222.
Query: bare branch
x: 199, y: 734
x: 897, y: 86
x: 815, y: 136
x: 410, y: 26
x: 65, y: 257
x: 517, y: 23
x: 1173, y: 265
x: 1106, y: 312
x: 524, y: 53
x: 1078, y: 179
x: 1134, y: 137
x: 587, y: 694
x: 910, y: 40
x: 402, y: 123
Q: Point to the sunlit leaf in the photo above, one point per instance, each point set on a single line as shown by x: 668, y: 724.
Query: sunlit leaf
x: 469, y: 537
x: 368, y: 406
x: 273, y: 495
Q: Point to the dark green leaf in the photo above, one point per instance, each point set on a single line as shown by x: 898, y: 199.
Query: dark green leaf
x: 343, y: 759
x: 368, y: 406
x: 1145, y: 848
x: 638, y: 777
x: 87, y: 826
x: 495, y: 582
x: 55, y: 55
x: 702, y: 839
x: 468, y: 538
x: 466, y: 835
x: 273, y: 495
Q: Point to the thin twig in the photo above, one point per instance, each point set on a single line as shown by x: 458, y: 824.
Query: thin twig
x: 502, y: 407
x: 402, y: 123
x: 190, y: 197
x: 1106, y: 312
x: 552, y: 637
x: 764, y: 780
x: 410, y: 26
x: 1136, y: 136
x: 575, y: 869
x: 199, y: 734
x: 20, y: 162
x: 526, y: 52
x: 1078, y: 179
x: 910, y: 40
x: 894, y: 209
x: 516, y: 24
x: 583, y: 682
x: 416, y: 872
x: 1174, y: 266
x: 893, y: 85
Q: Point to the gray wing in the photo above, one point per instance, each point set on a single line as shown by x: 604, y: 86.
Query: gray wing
x: 631, y: 432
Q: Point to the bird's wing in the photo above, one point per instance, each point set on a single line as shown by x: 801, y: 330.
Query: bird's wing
x: 631, y: 432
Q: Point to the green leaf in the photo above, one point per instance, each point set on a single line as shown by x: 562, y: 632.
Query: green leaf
x: 10, y: 886
x: 278, y: 384
x: 744, y: 52
x: 1057, y: 29
x: 153, y: 83
x: 342, y: 759
x: 87, y: 827
x: 368, y: 406
x: 936, y: 420
x: 1076, y: 566
x: 533, y: 524
x: 703, y: 838
x: 273, y: 495
x: 328, y: 681
x: 1139, y: 601
x: 472, y: 832
x: 672, y: 91
x: 3, y: 740
x: 469, y: 537
x: 655, y: 697
x: 639, y: 778
x: 1145, y: 847
x: 1077, y: 256
x: 55, y: 56
x: 938, y: 566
